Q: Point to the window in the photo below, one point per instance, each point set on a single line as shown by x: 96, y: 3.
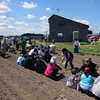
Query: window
x: 60, y: 34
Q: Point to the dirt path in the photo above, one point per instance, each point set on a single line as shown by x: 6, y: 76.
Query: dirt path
x: 17, y: 83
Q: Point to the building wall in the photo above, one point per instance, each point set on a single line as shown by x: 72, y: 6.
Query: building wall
x: 62, y: 25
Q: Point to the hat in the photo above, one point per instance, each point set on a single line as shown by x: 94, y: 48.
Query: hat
x: 87, y: 69
x: 86, y: 61
x: 73, y: 71
x: 53, y: 59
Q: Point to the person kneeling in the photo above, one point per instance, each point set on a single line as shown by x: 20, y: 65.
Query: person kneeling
x: 52, y: 68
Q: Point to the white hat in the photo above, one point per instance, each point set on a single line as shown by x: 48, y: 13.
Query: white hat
x: 53, y: 59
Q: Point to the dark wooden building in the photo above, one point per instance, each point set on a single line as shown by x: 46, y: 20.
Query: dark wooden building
x: 32, y: 35
x: 66, y: 30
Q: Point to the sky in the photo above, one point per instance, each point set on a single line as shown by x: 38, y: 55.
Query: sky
x: 31, y: 16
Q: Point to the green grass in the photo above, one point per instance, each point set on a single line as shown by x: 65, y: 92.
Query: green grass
x: 86, y: 48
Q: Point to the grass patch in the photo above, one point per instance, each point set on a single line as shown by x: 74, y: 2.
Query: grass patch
x: 86, y: 48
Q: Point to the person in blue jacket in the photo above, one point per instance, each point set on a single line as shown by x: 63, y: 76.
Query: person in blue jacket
x: 23, y: 43
x: 22, y: 60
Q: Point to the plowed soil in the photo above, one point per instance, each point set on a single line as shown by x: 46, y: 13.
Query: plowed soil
x: 18, y: 83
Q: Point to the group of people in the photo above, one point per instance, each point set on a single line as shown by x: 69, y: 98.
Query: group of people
x: 6, y: 46
x: 40, y: 60
x: 86, y: 82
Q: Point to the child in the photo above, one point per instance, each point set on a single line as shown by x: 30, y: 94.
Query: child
x: 72, y: 80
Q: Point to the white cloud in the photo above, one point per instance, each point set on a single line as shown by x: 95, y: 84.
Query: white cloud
x: 3, y: 24
x: 21, y: 23
x: 30, y: 16
x: 4, y: 19
x: 11, y: 18
x: 4, y: 8
x: 82, y: 21
x: 28, y: 5
x: 44, y: 19
x: 48, y: 9
x: 11, y: 27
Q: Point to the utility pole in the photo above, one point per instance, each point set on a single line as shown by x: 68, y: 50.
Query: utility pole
x: 57, y: 11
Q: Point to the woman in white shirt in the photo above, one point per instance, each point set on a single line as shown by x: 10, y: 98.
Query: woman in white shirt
x: 76, y: 46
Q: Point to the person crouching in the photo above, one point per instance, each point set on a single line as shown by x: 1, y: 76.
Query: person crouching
x: 52, y: 68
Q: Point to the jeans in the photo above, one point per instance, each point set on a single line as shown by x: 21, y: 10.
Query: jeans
x: 70, y: 62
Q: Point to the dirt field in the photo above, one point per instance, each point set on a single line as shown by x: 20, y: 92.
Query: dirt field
x: 17, y: 83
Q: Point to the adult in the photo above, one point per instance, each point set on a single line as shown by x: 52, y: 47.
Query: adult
x: 76, y: 46
x: 40, y: 65
x: 47, y: 56
x: 23, y: 43
x: 30, y: 61
x: 86, y: 81
x: 41, y: 50
x: 52, y: 48
x: 93, y: 67
x: 52, y: 68
x: 3, y: 47
x: 19, y: 58
x: 22, y: 60
x: 69, y: 57
x: 34, y: 50
x: 96, y: 88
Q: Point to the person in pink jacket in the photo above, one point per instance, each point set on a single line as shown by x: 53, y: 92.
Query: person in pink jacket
x: 52, y: 68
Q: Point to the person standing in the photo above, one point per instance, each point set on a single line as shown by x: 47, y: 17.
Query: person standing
x: 69, y: 57
x: 76, y: 46
x: 3, y: 47
x: 23, y: 43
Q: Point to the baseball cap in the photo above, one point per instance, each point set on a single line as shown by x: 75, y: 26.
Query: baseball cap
x: 87, y: 69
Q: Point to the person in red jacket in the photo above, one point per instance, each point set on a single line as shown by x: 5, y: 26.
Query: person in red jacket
x: 52, y: 68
